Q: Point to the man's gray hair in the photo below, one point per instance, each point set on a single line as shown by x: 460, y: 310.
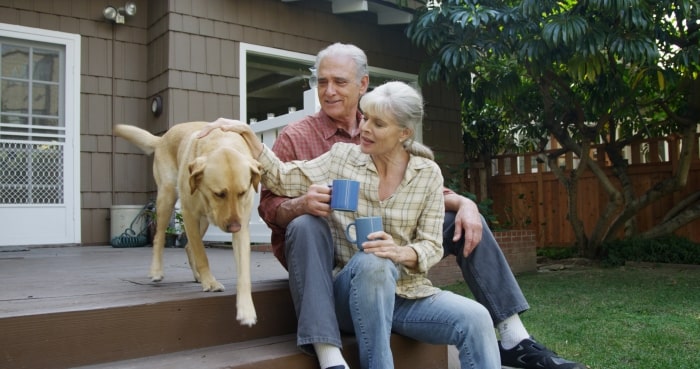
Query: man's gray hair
x: 349, y: 50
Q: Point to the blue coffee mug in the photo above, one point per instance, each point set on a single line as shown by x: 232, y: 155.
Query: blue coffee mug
x: 344, y: 194
x: 363, y: 227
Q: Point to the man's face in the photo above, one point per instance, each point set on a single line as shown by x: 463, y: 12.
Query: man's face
x: 338, y: 88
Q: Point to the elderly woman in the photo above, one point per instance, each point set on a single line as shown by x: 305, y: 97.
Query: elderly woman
x: 384, y: 287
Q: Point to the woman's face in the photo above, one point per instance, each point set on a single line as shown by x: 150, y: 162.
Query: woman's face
x: 381, y: 135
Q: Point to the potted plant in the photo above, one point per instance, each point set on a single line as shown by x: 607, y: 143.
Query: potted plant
x: 175, y: 231
x: 182, y: 236
x: 149, y: 212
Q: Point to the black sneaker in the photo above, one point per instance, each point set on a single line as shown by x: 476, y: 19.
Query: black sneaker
x: 530, y: 354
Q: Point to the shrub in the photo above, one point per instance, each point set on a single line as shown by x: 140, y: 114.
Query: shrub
x: 556, y: 253
x: 668, y: 249
x: 485, y: 206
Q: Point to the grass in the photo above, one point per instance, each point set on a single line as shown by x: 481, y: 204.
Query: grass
x: 616, y: 318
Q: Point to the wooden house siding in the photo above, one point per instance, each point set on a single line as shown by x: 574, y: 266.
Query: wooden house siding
x: 187, y: 52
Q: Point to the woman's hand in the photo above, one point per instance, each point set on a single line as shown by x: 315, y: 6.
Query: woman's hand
x: 212, y: 126
x: 382, y: 244
x: 230, y: 125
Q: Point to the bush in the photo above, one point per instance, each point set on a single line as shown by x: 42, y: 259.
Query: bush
x: 669, y: 249
x: 453, y: 182
x: 556, y: 253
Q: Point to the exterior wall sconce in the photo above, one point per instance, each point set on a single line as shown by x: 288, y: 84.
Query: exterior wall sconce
x: 157, y: 105
x: 116, y: 15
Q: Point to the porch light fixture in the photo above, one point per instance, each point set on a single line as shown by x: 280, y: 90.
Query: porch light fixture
x: 157, y: 105
x: 432, y: 4
x: 116, y: 15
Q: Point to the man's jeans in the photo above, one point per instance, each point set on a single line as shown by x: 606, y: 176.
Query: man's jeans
x: 310, y: 261
x: 486, y: 272
x: 309, y: 252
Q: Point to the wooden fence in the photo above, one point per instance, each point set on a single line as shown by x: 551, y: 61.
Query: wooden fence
x: 527, y: 195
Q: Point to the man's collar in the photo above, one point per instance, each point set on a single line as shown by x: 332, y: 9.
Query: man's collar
x: 329, y: 129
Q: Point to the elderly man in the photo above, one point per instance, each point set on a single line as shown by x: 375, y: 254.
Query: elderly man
x: 300, y: 235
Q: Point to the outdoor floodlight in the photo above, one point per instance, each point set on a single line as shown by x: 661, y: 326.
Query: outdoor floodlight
x: 117, y: 15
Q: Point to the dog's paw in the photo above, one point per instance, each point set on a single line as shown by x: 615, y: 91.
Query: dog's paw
x: 156, y: 276
x: 247, y: 318
x: 212, y: 286
x: 245, y: 311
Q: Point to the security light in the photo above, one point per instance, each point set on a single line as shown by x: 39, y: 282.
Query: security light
x: 117, y: 15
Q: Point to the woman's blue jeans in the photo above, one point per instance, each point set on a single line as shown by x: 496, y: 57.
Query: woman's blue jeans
x: 366, y: 304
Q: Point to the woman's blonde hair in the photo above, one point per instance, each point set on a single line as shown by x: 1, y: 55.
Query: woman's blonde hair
x: 405, y: 104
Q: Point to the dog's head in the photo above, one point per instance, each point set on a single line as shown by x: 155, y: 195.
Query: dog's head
x: 225, y: 180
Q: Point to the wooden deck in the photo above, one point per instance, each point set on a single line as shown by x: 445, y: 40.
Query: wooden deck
x: 53, y: 279
x: 94, y: 306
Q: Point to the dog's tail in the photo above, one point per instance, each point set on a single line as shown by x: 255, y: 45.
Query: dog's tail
x: 143, y: 139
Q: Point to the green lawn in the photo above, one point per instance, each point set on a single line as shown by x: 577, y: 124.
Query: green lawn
x: 616, y: 318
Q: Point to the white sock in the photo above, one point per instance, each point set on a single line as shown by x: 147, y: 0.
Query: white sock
x: 329, y: 355
x: 512, y: 331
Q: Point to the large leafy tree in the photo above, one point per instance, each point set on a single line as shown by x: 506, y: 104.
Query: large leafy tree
x: 589, y: 72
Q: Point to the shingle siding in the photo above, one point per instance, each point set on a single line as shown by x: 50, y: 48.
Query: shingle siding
x: 187, y: 52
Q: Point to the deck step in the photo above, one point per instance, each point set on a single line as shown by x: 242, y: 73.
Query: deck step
x: 270, y: 352
x: 184, y: 321
x: 279, y: 352
x: 188, y: 329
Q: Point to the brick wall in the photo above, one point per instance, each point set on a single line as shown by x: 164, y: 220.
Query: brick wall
x: 519, y: 248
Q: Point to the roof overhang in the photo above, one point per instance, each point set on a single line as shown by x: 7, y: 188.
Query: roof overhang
x: 388, y: 12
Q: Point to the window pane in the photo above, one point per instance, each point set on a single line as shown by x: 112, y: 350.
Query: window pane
x: 13, y: 119
x: 46, y: 64
x: 48, y: 122
x: 45, y: 99
x: 42, y: 129
x: 13, y: 133
x: 15, y: 61
x: 14, y: 97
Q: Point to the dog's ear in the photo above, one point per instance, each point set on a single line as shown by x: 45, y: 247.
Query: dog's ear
x: 196, y: 168
x: 255, y: 174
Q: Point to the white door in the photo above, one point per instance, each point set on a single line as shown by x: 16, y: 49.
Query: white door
x: 39, y: 131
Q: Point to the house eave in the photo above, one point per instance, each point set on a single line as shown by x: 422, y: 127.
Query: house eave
x: 388, y: 12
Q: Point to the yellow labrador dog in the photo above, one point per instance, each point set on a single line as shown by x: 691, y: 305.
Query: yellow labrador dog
x: 215, y: 178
